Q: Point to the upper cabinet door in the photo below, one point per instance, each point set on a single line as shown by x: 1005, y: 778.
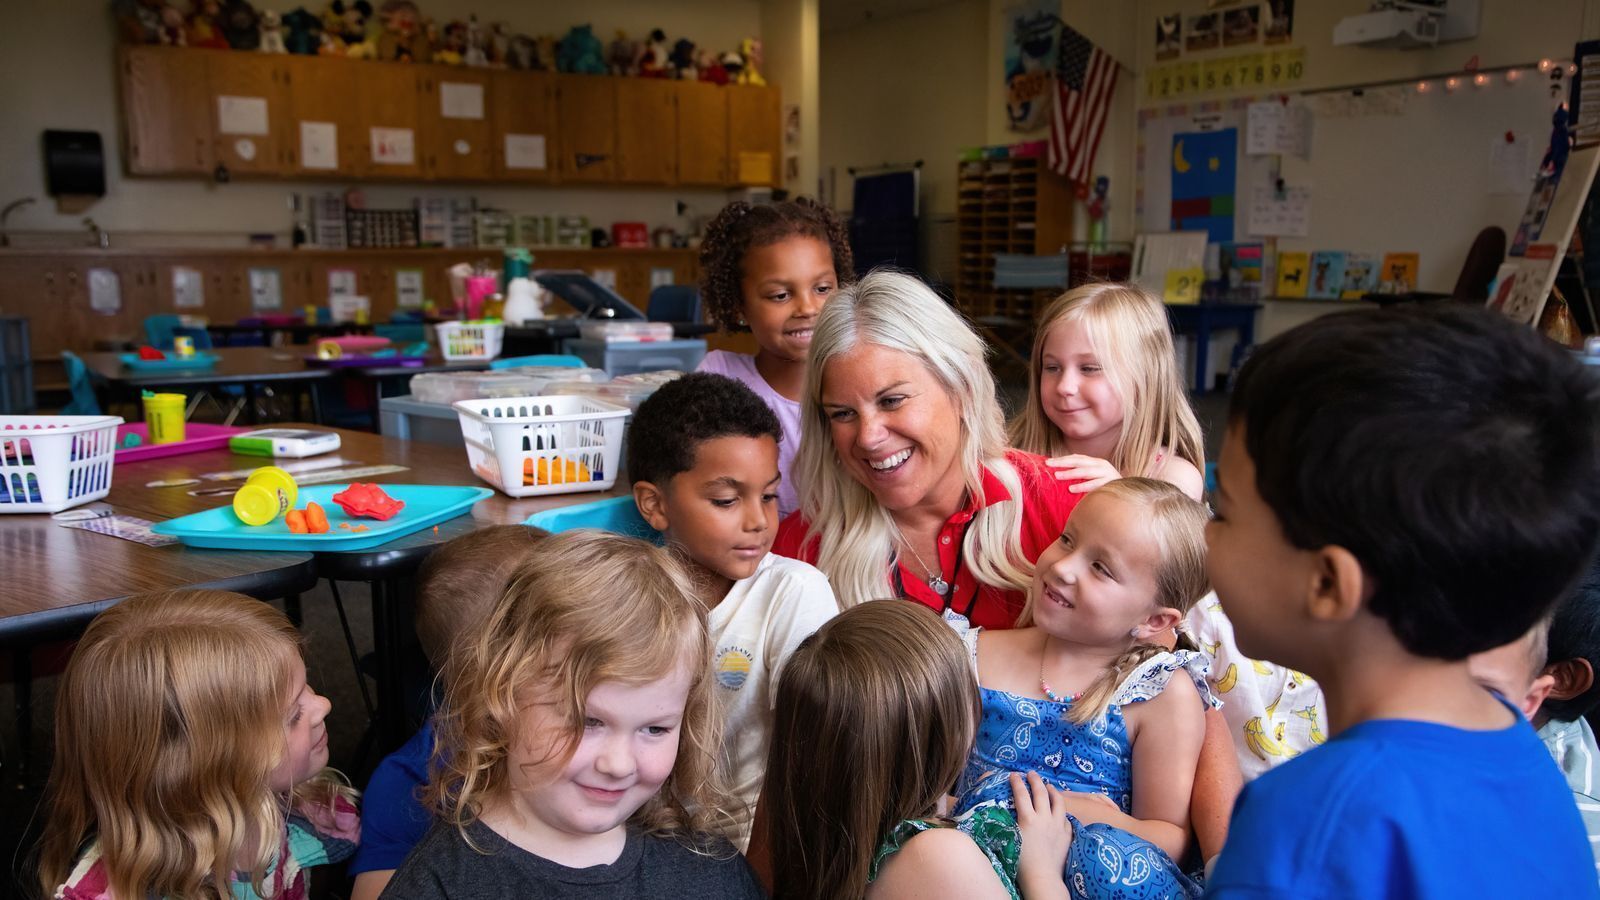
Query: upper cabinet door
x: 755, y: 147
x: 702, y: 134
x: 249, y: 111
x: 647, y: 131
x: 525, y: 139
x: 588, y: 116
x: 166, y: 111
x: 456, y: 125
x: 323, y: 136
x: 388, y: 137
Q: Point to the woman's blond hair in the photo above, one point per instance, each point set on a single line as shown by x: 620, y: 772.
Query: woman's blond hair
x: 856, y: 535
x: 1177, y: 524
x: 169, y: 724
x: 876, y: 714
x: 1128, y: 328
x: 590, y: 607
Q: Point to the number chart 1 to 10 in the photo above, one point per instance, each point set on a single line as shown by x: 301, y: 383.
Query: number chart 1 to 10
x: 1230, y: 73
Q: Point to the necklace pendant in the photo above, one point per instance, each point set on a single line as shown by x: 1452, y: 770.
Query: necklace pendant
x: 939, y: 585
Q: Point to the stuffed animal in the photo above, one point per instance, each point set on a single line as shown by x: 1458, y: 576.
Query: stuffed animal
x: 499, y: 45
x: 477, y: 53
x: 172, y: 31
x: 682, y: 60
x: 750, y: 49
x: 241, y: 25
x: 402, y: 39
x: 548, y: 49
x: 138, y: 21
x: 653, y: 61
x: 305, y: 32
x: 452, y: 44
x: 205, y: 26
x: 733, y: 64
x: 710, y: 67
x: 621, y: 55
x: 272, y: 32
x: 347, y: 24
x: 1561, y: 140
x: 522, y: 53
x: 580, y: 52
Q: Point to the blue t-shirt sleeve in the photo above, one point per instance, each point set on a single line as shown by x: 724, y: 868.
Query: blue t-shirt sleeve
x: 393, y: 819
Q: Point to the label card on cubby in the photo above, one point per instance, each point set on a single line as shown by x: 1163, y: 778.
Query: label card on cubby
x: 105, y: 292
x: 319, y: 145
x: 266, y: 289
x: 394, y: 146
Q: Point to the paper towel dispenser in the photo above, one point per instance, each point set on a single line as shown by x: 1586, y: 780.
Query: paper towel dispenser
x: 74, y: 164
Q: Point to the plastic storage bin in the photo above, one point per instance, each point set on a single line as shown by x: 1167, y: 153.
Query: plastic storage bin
x: 16, y: 367
x: 51, y: 463
x: 626, y: 331
x: 619, y: 358
x: 409, y: 419
x: 450, y: 387
x: 530, y: 446
x: 470, y: 340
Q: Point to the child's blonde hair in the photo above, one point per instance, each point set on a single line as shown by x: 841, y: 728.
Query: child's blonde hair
x: 1128, y: 329
x: 590, y: 607
x: 1177, y: 524
x: 169, y: 724
x: 876, y: 714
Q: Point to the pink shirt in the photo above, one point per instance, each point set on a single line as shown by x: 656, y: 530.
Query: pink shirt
x: 742, y: 367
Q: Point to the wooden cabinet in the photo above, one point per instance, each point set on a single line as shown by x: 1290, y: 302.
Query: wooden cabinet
x: 647, y: 131
x: 387, y: 120
x: 321, y: 119
x: 587, y: 109
x: 166, y: 111
x: 249, y: 96
x: 702, y: 134
x: 456, y: 130
x: 755, y: 146
x: 524, y: 126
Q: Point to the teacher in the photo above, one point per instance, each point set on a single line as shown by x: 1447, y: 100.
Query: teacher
x: 906, y: 486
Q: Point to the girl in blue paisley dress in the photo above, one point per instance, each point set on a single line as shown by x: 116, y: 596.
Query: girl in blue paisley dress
x: 1085, y: 692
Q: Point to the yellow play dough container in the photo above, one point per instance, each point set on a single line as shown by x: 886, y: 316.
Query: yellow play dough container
x: 268, y: 493
x: 163, y: 417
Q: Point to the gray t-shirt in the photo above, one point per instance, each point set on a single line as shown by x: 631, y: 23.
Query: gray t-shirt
x: 443, y: 865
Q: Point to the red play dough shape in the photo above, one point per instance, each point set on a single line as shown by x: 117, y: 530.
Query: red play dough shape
x: 368, y: 500
x: 151, y: 353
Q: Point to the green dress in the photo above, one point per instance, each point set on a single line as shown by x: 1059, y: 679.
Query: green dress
x: 990, y: 825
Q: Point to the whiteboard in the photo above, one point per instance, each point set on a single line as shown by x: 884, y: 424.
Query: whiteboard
x: 1394, y: 170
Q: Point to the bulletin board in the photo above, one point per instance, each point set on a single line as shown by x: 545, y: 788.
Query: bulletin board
x: 1393, y: 169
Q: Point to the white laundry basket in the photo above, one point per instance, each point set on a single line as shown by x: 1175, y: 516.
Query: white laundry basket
x: 530, y: 446
x: 51, y: 463
x: 470, y: 340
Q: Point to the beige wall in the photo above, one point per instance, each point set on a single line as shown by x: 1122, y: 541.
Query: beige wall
x: 793, y: 44
x: 57, y: 70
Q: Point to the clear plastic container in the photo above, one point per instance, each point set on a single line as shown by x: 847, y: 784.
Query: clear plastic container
x: 612, y: 332
x: 625, y: 391
x: 527, y: 381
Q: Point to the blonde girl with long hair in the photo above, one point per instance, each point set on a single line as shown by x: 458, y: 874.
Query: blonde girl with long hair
x: 190, y: 755
x: 1086, y: 692
x: 577, y: 746
x: 1105, y: 398
x: 907, y: 486
x: 875, y: 716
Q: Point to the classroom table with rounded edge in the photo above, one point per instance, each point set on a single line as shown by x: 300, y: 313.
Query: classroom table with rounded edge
x: 388, y: 568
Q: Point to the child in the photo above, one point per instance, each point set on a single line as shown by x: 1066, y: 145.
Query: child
x: 876, y: 715
x: 1515, y: 671
x: 1082, y: 692
x: 577, y: 744
x: 1397, y: 491
x: 768, y: 270
x: 1104, y: 395
x: 1572, y: 656
x: 703, y: 453
x: 190, y: 757
x: 456, y: 588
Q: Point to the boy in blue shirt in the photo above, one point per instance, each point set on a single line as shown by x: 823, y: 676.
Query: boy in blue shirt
x: 1399, y: 490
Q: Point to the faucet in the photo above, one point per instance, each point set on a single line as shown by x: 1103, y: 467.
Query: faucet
x: 13, y: 206
x: 102, y: 238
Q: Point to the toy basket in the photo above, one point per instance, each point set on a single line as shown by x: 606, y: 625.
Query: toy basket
x: 51, y: 463
x: 470, y: 340
x: 531, y: 446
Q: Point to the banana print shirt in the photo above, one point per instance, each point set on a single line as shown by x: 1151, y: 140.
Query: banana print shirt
x: 1275, y: 713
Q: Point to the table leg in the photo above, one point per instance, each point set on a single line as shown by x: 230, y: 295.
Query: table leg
x: 1202, y: 350
x: 391, y: 628
x: 22, y: 691
x: 292, y: 609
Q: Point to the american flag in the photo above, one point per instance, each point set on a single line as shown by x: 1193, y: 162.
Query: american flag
x: 1085, y: 78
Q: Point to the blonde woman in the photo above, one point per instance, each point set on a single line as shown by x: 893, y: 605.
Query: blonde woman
x: 1104, y: 395
x: 908, y: 489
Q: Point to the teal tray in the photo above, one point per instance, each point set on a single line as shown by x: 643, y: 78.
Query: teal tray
x: 617, y: 514
x: 200, y: 360
x: 426, y: 504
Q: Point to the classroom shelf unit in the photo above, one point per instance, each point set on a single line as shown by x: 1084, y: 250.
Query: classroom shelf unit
x: 1007, y: 204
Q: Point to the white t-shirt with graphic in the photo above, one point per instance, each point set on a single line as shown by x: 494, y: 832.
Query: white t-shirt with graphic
x: 754, y: 630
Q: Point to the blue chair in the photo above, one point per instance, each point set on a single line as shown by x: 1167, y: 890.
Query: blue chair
x: 402, y: 332
x: 674, y: 303
x: 541, y: 359
x: 618, y: 515
x: 159, y: 329
x: 84, y: 402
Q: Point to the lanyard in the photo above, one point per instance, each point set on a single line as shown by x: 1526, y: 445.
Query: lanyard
x: 900, y: 588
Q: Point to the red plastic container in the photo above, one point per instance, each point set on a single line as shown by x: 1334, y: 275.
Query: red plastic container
x: 630, y: 234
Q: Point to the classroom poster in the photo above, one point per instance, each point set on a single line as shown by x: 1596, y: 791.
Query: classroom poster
x: 1327, y: 275
x: 1277, y: 22
x: 1264, y: 70
x: 1204, y: 164
x: 1204, y: 32
x: 1292, y: 269
x: 1032, y: 29
x: 1169, y: 37
x: 1241, y: 26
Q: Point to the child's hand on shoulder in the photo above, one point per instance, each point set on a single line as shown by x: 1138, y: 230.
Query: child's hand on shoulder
x: 1092, y: 470
x: 1046, y: 835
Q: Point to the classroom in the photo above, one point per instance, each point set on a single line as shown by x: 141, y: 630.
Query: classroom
x: 482, y: 448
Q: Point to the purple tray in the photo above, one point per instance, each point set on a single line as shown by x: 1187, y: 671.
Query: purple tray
x: 367, y: 362
x: 200, y: 437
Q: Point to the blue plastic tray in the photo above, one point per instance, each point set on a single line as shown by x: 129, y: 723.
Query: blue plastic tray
x: 170, y: 364
x: 426, y: 504
x: 617, y: 514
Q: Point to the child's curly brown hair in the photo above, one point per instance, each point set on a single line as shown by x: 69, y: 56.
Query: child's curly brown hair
x: 741, y: 226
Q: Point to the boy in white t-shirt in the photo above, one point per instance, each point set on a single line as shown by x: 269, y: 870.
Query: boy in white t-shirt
x: 703, y: 456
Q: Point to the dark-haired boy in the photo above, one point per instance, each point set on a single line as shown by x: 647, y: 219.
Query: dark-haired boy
x: 703, y: 456
x: 1398, y: 491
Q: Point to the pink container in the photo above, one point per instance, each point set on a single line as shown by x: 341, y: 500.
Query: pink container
x: 479, y: 287
x: 200, y: 437
x: 357, y: 343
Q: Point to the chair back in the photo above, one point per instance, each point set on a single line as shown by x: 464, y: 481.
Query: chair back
x: 84, y: 402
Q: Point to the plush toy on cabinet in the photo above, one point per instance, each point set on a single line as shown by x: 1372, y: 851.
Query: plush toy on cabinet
x: 477, y: 53
x: 452, y: 46
x: 346, y: 23
x: 750, y: 50
x: 272, y: 32
x: 522, y: 53
x: 500, y: 45
x: 710, y: 68
x: 138, y: 21
x: 241, y: 25
x: 305, y: 32
x: 733, y: 63
x: 172, y: 31
x: 204, y: 26
x: 682, y: 60
x: 654, y: 59
x: 580, y: 52
x: 403, y: 39
x: 622, y: 56
x: 548, y: 50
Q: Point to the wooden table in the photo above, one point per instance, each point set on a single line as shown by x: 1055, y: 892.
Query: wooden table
x: 299, y: 332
